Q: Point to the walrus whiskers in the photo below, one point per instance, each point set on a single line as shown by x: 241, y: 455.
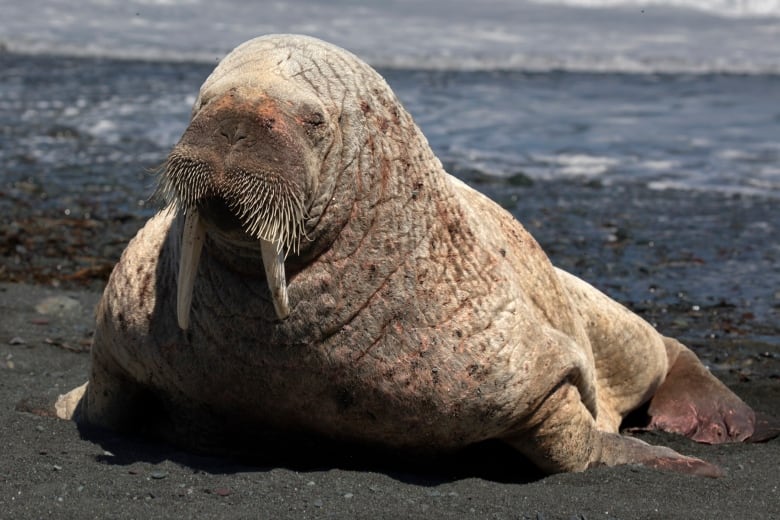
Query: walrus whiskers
x: 269, y: 209
x: 184, y: 180
x: 267, y: 206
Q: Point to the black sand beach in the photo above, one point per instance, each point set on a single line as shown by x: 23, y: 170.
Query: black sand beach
x: 702, y: 267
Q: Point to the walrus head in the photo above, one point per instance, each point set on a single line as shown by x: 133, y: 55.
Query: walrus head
x: 292, y: 143
x: 243, y: 172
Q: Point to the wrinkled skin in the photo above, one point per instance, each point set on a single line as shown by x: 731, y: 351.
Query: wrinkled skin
x: 422, y: 316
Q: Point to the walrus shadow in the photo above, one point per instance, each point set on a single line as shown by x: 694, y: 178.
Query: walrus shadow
x: 490, y: 460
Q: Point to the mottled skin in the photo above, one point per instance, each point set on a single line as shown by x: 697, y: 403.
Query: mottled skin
x: 423, y: 316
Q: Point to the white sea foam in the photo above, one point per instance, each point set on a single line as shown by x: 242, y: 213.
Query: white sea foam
x: 576, y: 165
x: 739, y: 36
x: 729, y: 189
x: 729, y: 8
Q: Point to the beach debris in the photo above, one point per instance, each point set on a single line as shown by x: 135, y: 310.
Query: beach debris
x: 53, y: 251
x: 57, y: 305
x: 67, y: 346
x: 99, y: 272
x: 222, y: 491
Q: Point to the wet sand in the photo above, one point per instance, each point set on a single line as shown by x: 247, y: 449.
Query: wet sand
x: 701, y: 267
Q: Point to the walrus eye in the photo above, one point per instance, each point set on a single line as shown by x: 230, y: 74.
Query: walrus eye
x: 314, y: 123
x: 314, y: 119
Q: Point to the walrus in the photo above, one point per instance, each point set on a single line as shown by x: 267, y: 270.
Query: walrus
x: 315, y: 270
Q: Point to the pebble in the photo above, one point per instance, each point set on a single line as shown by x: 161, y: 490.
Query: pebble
x: 57, y: 305
x: 157, y: 475
x: 16, y: 340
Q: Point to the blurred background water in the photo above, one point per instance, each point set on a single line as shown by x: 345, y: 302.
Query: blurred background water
x: 676, y: 93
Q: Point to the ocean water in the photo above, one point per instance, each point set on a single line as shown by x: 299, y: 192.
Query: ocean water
x: 670, y: 96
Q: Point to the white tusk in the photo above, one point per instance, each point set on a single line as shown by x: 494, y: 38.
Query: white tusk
x: 191, y: 244
x: 273, y: 261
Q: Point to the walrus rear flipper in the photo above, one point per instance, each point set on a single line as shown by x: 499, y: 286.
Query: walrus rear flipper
x: 564, y: 437
x: 692, y: 402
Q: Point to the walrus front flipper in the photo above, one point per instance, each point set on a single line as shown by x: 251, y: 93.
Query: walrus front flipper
x: 692, y: 402
x: 766, y: 428
x: 68, y: 405
x: 563, y: 437
x: 619, y: 449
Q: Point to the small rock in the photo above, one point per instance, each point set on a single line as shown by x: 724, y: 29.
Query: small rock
x: 348, y: 495
x: 318, y: 503
x: 157, y: 475
x: 223, y: 492
x: 57, y: 467
x: 16, y: 340
x: 57, y: 305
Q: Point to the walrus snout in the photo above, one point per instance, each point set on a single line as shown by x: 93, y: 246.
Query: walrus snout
x: 241, y: 167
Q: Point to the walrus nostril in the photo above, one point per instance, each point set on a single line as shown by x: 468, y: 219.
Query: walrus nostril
x: 233, y: 130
